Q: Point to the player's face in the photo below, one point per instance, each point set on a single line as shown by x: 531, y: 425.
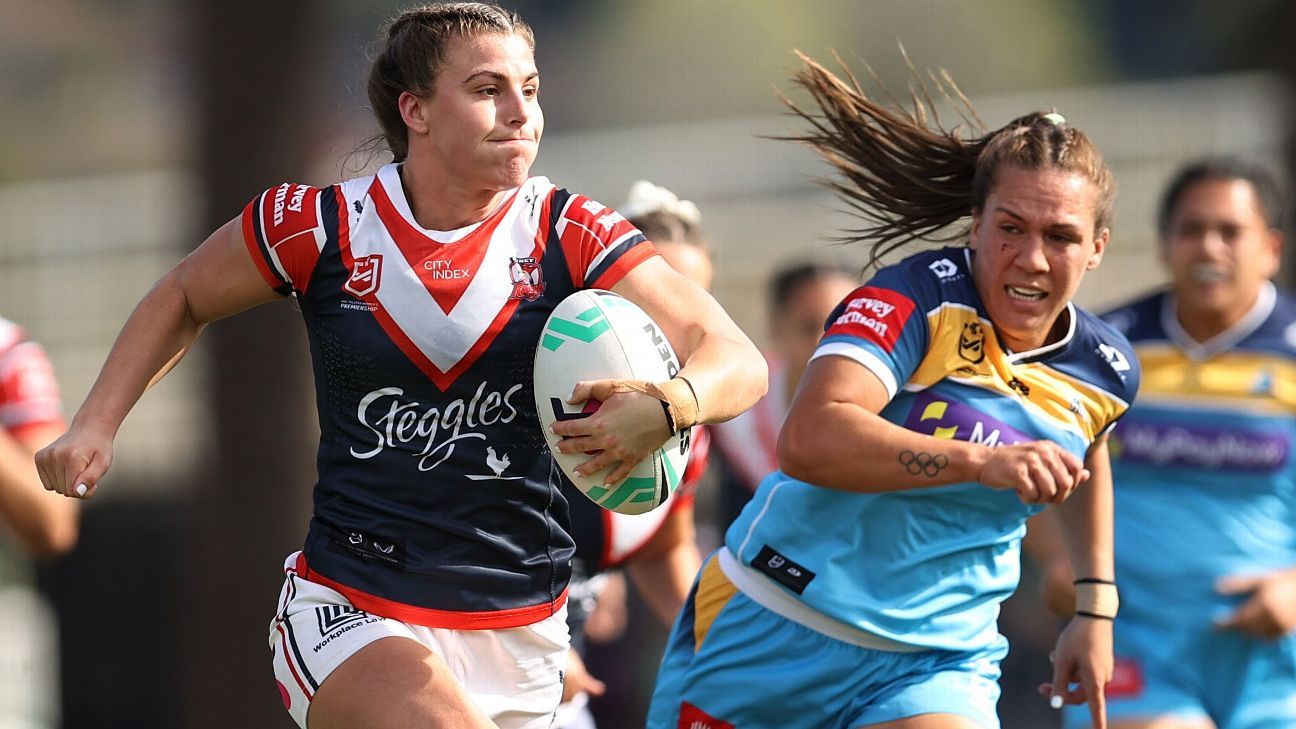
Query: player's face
x: 484, y: 118
x: 689, y: 260
x: 799, y: 325
x: 1219, y: 249
x: 1034, y: 240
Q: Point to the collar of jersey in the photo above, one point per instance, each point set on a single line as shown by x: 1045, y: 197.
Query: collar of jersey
x: 390, y: 179
x: 1251, y: 321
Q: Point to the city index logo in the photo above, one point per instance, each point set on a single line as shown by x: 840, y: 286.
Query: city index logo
x: 942, y: 418
x: 366, y: 275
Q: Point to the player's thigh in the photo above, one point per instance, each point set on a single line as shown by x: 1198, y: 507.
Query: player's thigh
x: 927, y: 721
x: 394, y: 683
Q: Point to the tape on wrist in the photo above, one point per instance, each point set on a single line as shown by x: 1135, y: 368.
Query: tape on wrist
x: 677, y: 398
x: 1096, y: 598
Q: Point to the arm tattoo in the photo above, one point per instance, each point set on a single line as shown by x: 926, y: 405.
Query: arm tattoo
x: 923, y: 463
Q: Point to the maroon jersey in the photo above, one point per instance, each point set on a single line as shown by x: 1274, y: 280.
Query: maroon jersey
x: 438, y: 502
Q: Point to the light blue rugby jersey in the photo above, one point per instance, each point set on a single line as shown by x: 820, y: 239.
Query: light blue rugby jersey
x: 928, y: 567
x: 1203, y: 465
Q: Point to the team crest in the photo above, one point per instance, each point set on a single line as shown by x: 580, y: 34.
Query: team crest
x: 972, y: 342
x: 528, y: 281
x: 365, y: 276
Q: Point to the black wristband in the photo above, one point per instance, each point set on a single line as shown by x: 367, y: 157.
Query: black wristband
x: 1095, y: 616
x: 1093, y: 581
x: 670, y: 421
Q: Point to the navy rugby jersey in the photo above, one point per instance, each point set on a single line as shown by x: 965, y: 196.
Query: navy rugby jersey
x: 1203, y: 464
x: 929, y: 566
x: 438, y: 502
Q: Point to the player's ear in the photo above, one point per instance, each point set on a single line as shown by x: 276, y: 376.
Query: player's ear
x: 413, y: 110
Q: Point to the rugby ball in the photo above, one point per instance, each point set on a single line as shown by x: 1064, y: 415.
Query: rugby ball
x: 598, y: 335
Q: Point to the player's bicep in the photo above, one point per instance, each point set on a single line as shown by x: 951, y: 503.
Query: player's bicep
x: 220, y: 279
x: 833, y: 381
x: 685, y: 312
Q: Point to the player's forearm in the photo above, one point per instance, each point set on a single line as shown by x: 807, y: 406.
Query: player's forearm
x: 1084, y: 521
x: 727, y: 374
x: 664, y: 569
x: 664, y: 582
x: 45, y: 524
x: 844, y: 446
x: 155, y: 336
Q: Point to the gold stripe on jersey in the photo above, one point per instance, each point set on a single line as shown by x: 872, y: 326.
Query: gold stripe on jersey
x: 1264, y: 383
x: 964, y: 349
x: 714, y: 591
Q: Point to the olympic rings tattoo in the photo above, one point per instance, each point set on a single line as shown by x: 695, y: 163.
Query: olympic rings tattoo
x: 923, y: 463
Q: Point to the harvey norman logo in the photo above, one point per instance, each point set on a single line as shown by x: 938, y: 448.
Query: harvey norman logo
x: 941, y: 418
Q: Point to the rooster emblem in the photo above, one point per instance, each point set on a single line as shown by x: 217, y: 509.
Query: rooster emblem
x: 496, y: 463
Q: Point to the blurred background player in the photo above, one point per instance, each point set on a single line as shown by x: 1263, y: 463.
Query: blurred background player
x: 657, y: 550
x: 800, y: 297
x: 954, y: 395
x: 36, y: 525
x: 1205, y: 473
x: 431, y: 588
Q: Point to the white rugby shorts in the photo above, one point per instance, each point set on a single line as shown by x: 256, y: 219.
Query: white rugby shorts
x: 514, y: 674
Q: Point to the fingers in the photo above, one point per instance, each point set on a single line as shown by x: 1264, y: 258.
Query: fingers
x: 1252, y: 618
x: 1097, y: 703
x: 594, y: 390
x: 1238, y: 584
x: 87, y: 481
x: 1048, y: 474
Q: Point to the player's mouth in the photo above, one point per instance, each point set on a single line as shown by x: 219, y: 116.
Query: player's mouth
x: 1025, y: 293
x: 1207, y: 273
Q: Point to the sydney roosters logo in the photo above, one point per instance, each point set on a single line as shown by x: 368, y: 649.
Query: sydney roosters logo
x: 365, y: 276
x: 528, y: 281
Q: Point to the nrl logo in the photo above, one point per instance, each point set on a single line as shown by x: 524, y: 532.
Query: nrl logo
x: 972, y: 342
x: 365, y: 276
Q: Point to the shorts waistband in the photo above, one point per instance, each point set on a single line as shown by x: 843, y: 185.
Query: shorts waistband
x: 765, y: 592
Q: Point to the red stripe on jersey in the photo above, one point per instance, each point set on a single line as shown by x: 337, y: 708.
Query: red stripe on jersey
x: 29, y: 393
x: 20, y: 432
x: 430, y: 618
x: 874, y: 314
x: 445, y: 269
x: 290, y: 223
x: 609, y: 539
x: 254, y: 249
x: 287, y: 657
x: 624, y: 264
x: 441, y: 379
x: 588, y: 229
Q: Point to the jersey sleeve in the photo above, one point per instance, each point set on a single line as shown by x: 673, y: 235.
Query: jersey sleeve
x: 599, y: 244
x: 29, y: 394
x: 283, y: 229
x: 881, y: 326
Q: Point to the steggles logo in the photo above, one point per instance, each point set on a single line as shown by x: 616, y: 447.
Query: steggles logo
x: 398, y: 423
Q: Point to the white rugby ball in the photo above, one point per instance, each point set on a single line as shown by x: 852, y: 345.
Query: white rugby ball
x: 598, y: 335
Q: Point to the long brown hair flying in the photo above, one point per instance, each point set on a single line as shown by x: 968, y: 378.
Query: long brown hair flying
x: 905, y: 177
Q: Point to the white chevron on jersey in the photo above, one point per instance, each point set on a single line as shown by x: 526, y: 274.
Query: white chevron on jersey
x: 445, y: 339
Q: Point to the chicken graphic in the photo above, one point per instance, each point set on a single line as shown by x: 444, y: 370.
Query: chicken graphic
x: 496, y: 463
